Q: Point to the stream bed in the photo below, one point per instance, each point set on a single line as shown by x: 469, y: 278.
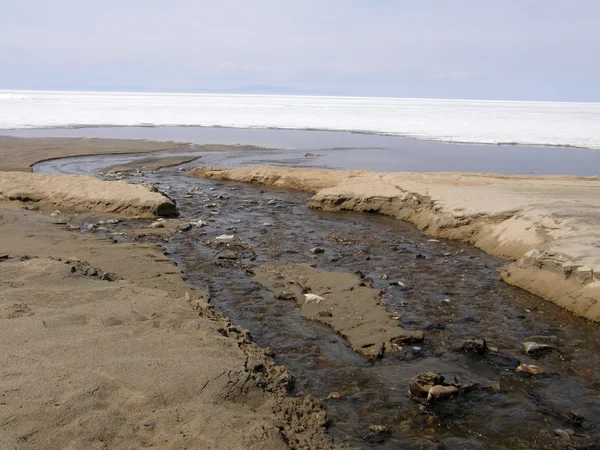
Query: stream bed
x: 449, y: 291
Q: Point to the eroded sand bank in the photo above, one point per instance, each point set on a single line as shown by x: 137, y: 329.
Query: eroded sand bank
x: 81, y: 193
x: 548, y: 225
x: 104, y: 345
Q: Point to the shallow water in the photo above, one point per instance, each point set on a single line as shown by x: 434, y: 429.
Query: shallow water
x: 345, y: 150
x: 523, y: 413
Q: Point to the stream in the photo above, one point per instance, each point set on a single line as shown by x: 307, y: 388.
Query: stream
x: 450, y: 291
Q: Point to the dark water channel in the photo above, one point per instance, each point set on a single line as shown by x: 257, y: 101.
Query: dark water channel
x: 452, y: 292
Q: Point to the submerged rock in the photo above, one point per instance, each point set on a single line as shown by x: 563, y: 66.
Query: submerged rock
x: 439, y: 392
x: 317, y: 250
x: 420, y: 384
x: 533, y: 348
x: 531, y: 369
x: 478, y: 346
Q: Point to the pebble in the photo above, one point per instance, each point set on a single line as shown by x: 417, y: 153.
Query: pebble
x: 55, y: 213
x: 478, y: 346
x: 533, y: 348
x: 446, y: 302
x: 199, y: 223
x: 267, y: 224
x: 185, y: 227
x: 113, y: 221
x: 157, y: 225
x: 287, y: 296
x: 530, y: 369
x: 420, y: 384
x: 316, y: 250
x: 325, y: 314
x: 313, y: 298
x: 334, y: 395
x: 31, y: 207
x: 91, y: 227
x: 271, y: 202
x: 225, y: 238
x: 439, y: 392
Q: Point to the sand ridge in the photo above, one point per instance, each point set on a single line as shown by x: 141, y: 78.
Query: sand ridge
x: 548, y: 225
x: 82, y: 193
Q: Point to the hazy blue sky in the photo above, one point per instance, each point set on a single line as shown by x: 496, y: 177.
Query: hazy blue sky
x: 497, y: 49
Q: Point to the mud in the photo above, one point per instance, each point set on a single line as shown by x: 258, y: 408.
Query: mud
x: 449, y: 292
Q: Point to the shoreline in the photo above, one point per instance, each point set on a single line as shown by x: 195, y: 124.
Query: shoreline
x: 520, y: 218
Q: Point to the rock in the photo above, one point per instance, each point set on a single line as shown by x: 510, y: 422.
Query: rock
x: 267, y: 224
x: 413, y: 338
x: 91, y: 227
x: 420, y: 384
x: 530, y: 369
x: 271, y: 202
x: 185, y: 227
x: 325, y: 314
x: 439, y: 392
x: 565, y: 435
x: 533, y: 348
x: 225, y: 238
x: 157, y: 225
x: 478, y: 346
x: 55, y: 213
x: 308, y: 298
x: 4, y: 256
x: 211, y: 205
x: 199, y: 224
x: 31, y: 207
x: 379, y: 429
x: 287, y: 296
x: 446, y: 302
x: 377, y: 351
x: 317, y: 250
x: 334, y: 395
x: 113, y: 221
x: 230, y: 255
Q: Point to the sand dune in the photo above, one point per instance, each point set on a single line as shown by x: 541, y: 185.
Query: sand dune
x: 549, y: 226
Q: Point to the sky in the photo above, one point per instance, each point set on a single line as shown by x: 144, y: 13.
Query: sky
x: 496, y: 49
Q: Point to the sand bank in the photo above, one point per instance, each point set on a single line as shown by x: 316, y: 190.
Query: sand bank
x: 19, y: 154
x: 549, y: 226
x: 81, y: 193
x: 347, y: 304
x: 104, y: 345
x: 150, y: 164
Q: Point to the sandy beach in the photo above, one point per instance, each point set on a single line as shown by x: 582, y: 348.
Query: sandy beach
x: 107, y: 345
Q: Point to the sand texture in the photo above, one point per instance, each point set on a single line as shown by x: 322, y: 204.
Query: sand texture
x: 348, y: 304
x: 104, y: 345
x: 548, y: 225
x: 82, y: 193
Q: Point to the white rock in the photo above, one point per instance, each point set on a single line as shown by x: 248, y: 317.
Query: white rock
x: 225, y: 238
x: 157, y: 225
x: 313, y: 298
x: 55, y: 213
x: 267, y: 224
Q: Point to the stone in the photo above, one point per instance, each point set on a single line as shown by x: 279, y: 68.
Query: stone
x: 230, y: 255
x: 376, y: 352
x: 316, y: 250
x: 55, y: 213
x: 271, y: 202
x: 334, y: 395
x: 225, y: 238
x: 420, y: 384
x: 325, y: 314
x: 530, y: 370
x: 185, y: 227
x: 112, y: 221
x: 286, y: 296
x: 91, y: 227
x: 478, y: 346
x: 439, y: 392
x: 533, y: 348
x: 308, y: 298
x: 157, y: 225
x: 412, y: 338
x: 199, y: 223
x: 379, y: 429
x: 31, y: 207
x: 267, y: 224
